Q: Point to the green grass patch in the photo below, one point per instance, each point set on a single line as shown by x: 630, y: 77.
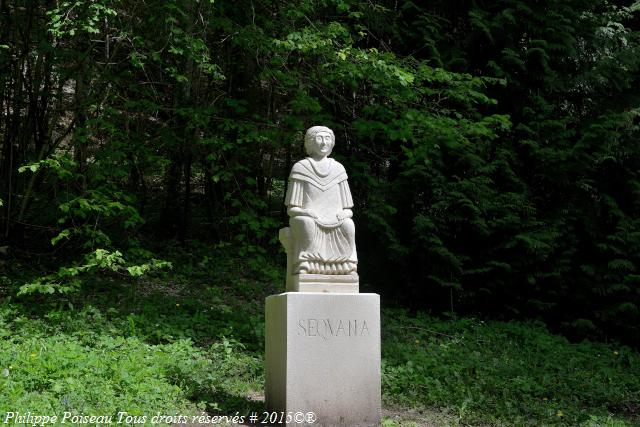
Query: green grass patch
x: 507, y: 373
x: 94, y: 372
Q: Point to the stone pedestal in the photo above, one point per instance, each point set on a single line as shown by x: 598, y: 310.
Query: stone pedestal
x: 323, y: 356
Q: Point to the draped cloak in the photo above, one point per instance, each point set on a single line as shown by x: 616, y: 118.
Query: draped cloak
x: 326, y: 195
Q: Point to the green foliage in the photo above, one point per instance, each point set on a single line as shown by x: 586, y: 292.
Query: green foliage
x: 173, y: 344
x: 89, y: 371
x: 48, y: 375
x: 69, y: 279
x: 506, y: 373
x: 79, y: 17
x: 61, y: 165
x: 89, y: 217
x: 526, y: 217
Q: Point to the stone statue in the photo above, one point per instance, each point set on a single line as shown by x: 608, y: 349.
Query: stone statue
x: 320, y: 240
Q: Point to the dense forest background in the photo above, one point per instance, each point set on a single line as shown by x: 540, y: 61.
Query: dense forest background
x: 493, y: 147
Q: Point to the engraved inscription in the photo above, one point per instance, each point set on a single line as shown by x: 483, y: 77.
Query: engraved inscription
x: 328, y: 328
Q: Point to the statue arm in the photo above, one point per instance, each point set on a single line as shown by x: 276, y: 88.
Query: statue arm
x: 295, y: 193
x: 345, y: 195
x: 343, y: 214
x: 297, y: 211
x: 347, y: 201
x: 295, y: 200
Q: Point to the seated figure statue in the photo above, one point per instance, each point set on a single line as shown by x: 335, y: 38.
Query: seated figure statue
x: 320, y: 240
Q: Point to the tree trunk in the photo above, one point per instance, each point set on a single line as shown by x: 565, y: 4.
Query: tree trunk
x: 80, y: 143
x: 171, y: 216
x: 186, y: 202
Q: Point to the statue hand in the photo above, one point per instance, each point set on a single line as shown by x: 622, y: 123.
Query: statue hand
x: 344, y: 214
x: 311, y: 213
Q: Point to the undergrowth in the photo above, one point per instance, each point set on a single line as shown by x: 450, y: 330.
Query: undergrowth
x: 507, y: 373
x: 191, y: 340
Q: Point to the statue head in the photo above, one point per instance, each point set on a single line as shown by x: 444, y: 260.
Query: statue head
x: 319, y: 140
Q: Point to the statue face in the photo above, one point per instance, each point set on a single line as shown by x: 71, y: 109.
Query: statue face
x: 321, y: 145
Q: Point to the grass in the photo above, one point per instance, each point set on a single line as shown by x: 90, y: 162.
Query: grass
x: 191, y: 341
x: 507, y: 373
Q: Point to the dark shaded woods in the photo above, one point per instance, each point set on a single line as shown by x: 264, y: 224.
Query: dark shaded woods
x: 493, y: 146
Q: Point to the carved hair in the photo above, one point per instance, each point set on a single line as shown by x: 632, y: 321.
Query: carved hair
x: 310, y: 136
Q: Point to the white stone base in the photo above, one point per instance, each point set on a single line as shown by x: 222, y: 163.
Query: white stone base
x: 343, y: 283
x: 323, y: 356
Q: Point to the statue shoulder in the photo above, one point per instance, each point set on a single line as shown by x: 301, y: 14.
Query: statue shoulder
x: 301, y: 167
x: 337, y: 167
